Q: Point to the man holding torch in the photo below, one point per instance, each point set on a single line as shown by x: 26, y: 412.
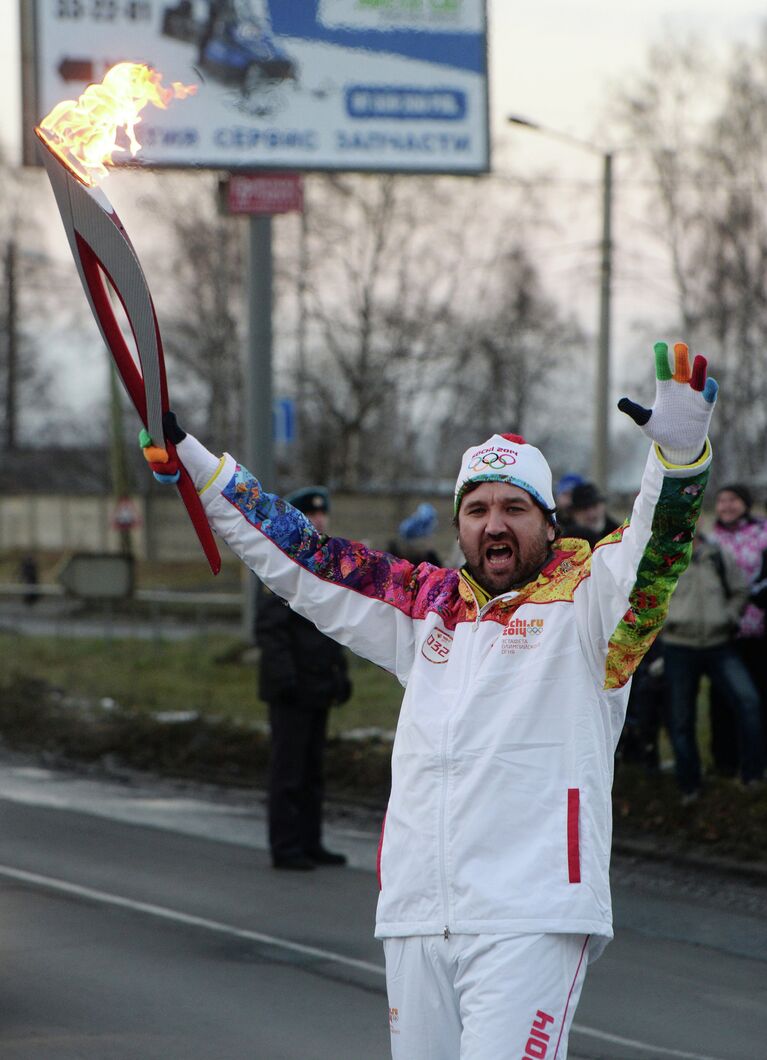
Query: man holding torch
x: 494, y: 857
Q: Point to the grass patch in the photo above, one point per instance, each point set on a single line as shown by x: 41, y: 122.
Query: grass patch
x: 726, y: 820
x: 375, y: 701
x: 206, y: 675
x: 139, y: 675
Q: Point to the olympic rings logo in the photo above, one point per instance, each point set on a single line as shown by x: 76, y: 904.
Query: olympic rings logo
x: 493, y: 460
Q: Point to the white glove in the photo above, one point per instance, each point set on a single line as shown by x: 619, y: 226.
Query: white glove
x: 684, y: 401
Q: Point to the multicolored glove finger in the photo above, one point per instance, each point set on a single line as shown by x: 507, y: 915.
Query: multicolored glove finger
x: 639, y: 414
x: 662, y: 367
x: 708, y: 387
x: 682, y: 373
x: 163, y: 467
x: 684, y: 399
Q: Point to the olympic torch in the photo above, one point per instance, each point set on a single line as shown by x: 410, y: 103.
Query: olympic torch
x: 77, y: 141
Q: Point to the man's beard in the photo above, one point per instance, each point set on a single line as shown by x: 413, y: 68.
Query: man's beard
x: 525, y: 572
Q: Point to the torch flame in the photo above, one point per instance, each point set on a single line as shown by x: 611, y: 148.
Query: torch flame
x: 84, y: 132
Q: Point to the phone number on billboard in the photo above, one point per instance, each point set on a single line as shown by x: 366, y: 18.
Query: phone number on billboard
x: 104, y: 10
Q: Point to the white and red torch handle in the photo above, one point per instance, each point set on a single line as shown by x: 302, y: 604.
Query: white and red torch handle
x: 101, y: 248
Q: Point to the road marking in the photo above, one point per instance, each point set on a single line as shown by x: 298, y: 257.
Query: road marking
x: 656, y: 1051
x: 163, y: 913
x: 51, y: 883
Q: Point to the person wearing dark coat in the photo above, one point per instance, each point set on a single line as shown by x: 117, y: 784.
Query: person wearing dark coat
x: 303, y: 674
x: 588, y: 517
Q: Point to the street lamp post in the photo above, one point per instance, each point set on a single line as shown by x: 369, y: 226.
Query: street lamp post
x: 600, y: 455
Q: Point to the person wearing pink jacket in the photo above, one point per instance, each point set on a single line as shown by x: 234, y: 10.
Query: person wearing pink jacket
x: 744, y: 536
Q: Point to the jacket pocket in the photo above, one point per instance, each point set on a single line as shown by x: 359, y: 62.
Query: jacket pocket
x: 573, y: 835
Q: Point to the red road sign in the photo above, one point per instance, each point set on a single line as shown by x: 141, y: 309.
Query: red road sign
x: 263, y: 193
x: 125, y: 515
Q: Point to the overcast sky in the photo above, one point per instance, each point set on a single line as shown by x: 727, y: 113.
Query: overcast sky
x: 556, y: 61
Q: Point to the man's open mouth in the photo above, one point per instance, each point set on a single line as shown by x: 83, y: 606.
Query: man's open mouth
x: 498, y: 555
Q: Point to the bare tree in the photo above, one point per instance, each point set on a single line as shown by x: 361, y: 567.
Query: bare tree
x: 517, y: 346
x: 372, y: 322
x: 419, y: 316
x: 703, y: 130
x: 25, y: 274
x: 199, y: 278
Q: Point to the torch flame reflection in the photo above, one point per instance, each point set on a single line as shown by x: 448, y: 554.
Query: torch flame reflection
x: 84, y: 132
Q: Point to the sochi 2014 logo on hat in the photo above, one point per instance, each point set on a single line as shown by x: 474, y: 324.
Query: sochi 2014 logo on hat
x: 492, y: 460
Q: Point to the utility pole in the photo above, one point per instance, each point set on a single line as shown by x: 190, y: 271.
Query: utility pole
x: 260, y: 196
x: 12, y: 348
x: 258, y: 378
x: 302, y: 288
x: 602, y: 394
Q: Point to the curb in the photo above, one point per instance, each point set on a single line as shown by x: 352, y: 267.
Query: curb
x: 756, y: 871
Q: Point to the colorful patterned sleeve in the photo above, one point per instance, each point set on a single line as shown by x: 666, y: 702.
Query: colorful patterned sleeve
x: 364, y: 599
x: 349, y: 564
x: 622, y: 604
x: 665, y: 557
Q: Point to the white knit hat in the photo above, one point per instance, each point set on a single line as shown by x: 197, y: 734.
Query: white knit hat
x: 506, y: 458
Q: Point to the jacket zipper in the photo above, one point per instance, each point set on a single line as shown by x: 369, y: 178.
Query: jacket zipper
x: 443, y: 807
x: 442, y: 838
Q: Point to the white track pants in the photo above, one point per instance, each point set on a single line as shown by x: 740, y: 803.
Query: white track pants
x: 483, y: 997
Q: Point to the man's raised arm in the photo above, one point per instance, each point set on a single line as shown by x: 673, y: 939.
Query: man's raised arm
x: 363, y: 598
x: 635, y: 569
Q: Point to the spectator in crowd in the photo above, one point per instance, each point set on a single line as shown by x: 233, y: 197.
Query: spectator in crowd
x: 589, y: 519
x: 647, y: 712
x: 699, y: 638
x: 759, y: 599
x: 563, y: 498
x: 414, y: 536
x: 302, y: 674
x: 744, y: 535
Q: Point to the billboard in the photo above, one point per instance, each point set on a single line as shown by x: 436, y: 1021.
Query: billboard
x: 379, y: 85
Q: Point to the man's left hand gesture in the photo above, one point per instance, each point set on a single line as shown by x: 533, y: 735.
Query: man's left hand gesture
x: 684, y: 401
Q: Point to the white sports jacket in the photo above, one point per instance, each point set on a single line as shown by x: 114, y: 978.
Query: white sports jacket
x: 499, y: 819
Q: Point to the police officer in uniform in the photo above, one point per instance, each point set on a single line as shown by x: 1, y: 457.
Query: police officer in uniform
x: 302, y: 674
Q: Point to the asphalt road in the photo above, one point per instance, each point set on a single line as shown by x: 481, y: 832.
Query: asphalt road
x: 141, y: 920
